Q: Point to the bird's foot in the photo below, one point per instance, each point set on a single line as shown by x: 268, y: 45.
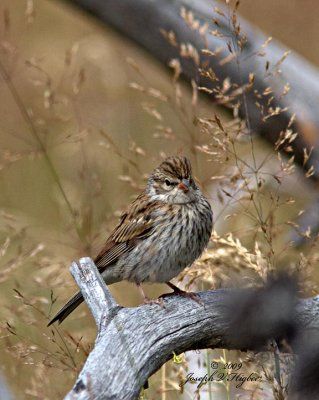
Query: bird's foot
x: 179, y: 292
x: 158, y: 301
x: 147, y: 300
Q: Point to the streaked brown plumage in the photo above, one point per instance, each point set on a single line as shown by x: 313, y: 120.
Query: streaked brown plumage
x: 163, y: 231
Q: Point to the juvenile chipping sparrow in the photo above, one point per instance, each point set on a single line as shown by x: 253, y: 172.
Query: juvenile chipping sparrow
x: 163, y: 231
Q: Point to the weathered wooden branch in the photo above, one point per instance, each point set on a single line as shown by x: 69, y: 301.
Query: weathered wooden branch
x: 144, y: 20
x: 133, y: 343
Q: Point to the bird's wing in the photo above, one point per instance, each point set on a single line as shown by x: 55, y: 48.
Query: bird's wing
x: 135, y: 224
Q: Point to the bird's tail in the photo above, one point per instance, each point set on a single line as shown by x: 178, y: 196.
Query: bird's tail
x: 71, y: 305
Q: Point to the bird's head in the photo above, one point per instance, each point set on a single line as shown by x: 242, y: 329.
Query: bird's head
x: 172, y: 182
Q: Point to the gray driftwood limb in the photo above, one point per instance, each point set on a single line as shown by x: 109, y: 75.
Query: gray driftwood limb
x: 143, y: 21
x: 96, y: 294
x: 133, y: 343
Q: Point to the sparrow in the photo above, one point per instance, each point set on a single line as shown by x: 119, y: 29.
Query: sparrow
x: 164, y: 230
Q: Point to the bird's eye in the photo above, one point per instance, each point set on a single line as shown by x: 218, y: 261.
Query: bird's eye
x: 168, y: 182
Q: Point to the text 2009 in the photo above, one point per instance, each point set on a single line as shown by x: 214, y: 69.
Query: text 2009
x: 228, y: 365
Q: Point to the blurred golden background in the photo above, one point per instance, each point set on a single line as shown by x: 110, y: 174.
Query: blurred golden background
x: 76, y: 144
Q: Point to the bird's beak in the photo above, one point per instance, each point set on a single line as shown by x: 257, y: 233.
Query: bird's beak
x: 184, y: 185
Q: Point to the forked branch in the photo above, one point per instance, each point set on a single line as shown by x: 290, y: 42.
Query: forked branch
x: 133, y: 343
